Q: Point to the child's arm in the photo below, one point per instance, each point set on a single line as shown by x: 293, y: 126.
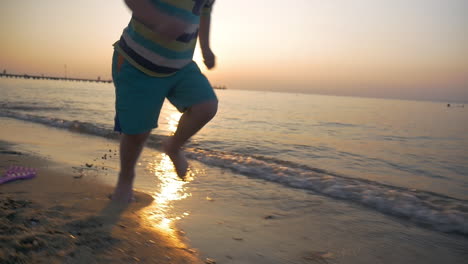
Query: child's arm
x: 204, y: 37
x: 158, y: 21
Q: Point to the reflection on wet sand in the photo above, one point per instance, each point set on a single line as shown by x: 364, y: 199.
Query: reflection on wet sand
x: 170, y: 189
x: 173, y: 121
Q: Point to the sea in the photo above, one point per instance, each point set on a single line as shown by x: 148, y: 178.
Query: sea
x: 383, y: 171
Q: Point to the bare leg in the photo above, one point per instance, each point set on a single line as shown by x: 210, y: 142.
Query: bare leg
x: 130, y: 149
x: 190, y: 123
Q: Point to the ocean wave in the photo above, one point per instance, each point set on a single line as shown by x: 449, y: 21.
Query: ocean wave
x: 429, y: 209
x: 336, y: 124
x: 72, y: 125
x: 27, y: 107
x: 432, y: 210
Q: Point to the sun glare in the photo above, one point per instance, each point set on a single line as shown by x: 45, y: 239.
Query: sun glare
x: 171, y: 189
x: 173, y: 121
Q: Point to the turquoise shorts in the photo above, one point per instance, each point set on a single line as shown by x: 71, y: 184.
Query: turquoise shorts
x: 139, y: 97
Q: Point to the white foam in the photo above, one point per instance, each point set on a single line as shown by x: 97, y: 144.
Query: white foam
x: 74, y: 125
x: 432, y: 210
x: 429, y: 209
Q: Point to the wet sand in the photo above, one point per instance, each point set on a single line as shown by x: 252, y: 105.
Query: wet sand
x: 61, y: 217
x: 64, y: 215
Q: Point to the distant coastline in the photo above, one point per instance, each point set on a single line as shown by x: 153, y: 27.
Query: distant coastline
x: 218, y: 87
x: 55, y: 78
x: 452, y: 101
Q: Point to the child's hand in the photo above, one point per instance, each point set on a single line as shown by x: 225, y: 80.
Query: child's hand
x: 208, y: 58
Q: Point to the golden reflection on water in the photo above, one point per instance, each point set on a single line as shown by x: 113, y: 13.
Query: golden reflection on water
x: 170, y: 189
x: 173, y: 121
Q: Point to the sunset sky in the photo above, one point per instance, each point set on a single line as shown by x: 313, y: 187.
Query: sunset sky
x: 415, y: 49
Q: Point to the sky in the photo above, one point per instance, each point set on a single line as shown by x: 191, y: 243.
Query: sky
x: 410, y: 49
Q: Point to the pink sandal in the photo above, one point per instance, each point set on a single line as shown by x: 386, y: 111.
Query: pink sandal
x: 17, y: 173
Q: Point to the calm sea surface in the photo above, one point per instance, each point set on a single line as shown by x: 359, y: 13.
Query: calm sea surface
x: 403, y: 158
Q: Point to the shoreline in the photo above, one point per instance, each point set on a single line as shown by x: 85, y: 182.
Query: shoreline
x: 225, y: 215
x: 59, y: 217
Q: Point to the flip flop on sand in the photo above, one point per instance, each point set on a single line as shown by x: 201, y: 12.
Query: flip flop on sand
x: 17, y: 173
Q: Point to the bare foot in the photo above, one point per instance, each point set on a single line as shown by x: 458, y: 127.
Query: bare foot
x: 177, y: 157
x: 123, y: 193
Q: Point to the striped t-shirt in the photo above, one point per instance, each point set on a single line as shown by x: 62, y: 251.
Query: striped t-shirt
x: 152, y: 53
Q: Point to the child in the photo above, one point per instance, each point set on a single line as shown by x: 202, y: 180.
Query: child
x: 153, y: 61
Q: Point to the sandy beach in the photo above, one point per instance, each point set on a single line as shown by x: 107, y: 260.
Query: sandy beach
x: 337, y: 134
x: 238, y: 208
x: 61, y: 217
